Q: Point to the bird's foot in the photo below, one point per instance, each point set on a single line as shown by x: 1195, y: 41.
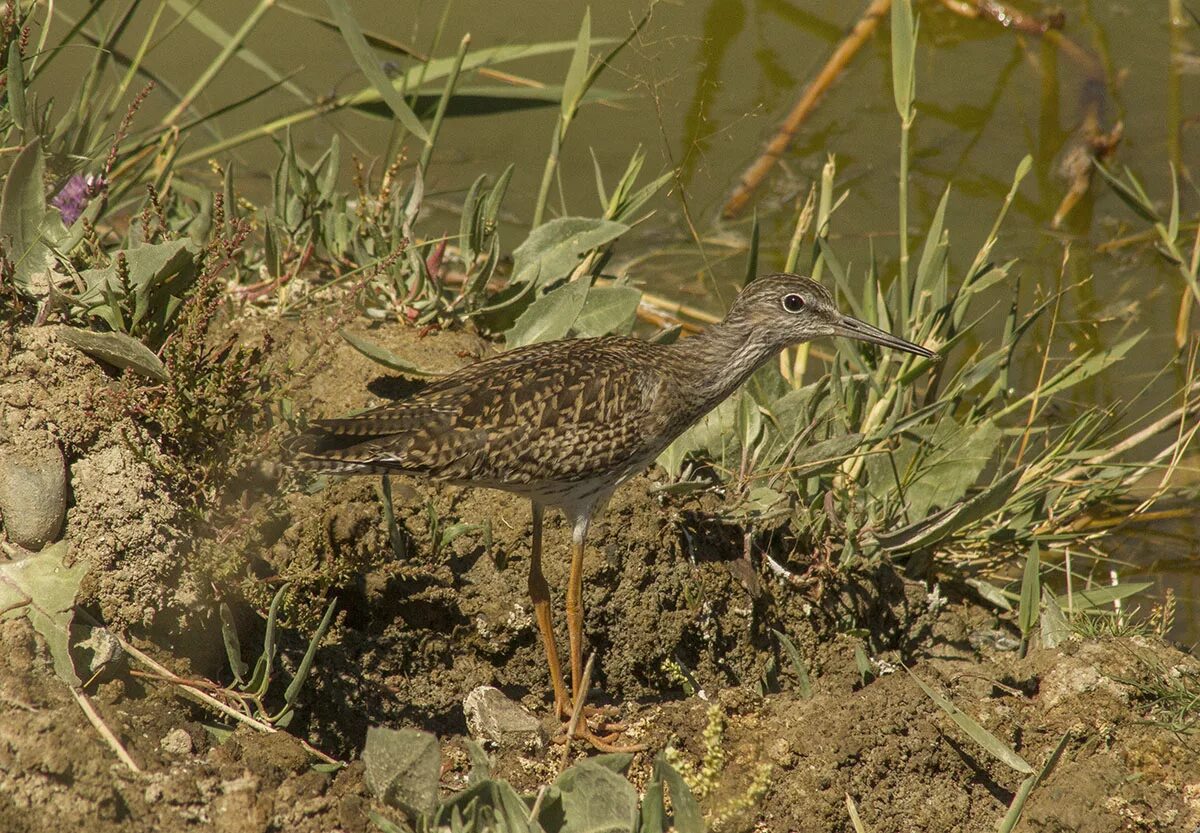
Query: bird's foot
x: 597, y: 726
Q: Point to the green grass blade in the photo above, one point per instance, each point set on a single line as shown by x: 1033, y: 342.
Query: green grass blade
x: 933, y: 242
x: 1173, y: 217
x: 367, y: 62
x: 233, y: 646
x: 990, y: 743
x: 1027, y: 786
x: 805, y: 684
x: 443, y: 102
x: 1031, y: 593
x: 852, y: 810
x: 382, y: 355
x: 230, y: 47
x: 263, y: 667
x: 437, y: 68
x: 575, y: 84
x: 302, y: 672
x: 135, y: 63
x: 1130, y: 196
x: 1098, y: 596
x: 904, y: 39
x: 752, y: 252
x: 216, y: 33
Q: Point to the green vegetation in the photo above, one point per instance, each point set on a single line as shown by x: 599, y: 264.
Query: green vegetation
x: 107, y: 229
x: 402, y: 768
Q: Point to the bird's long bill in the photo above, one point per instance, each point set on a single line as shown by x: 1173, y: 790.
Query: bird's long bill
x: 853, y: 328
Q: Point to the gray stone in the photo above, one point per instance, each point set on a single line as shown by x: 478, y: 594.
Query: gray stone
x: 493, y: 717
x: 177, y: 742
x: 33, y: 491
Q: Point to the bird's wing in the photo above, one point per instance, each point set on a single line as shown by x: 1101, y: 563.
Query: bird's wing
x: 547, y: 412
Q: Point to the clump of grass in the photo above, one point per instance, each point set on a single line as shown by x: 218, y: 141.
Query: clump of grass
x: 891, y: 455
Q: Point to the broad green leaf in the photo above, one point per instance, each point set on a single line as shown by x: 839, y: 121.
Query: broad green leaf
x: 505, y: 307
x: 553, y: 249
x: 608, y: 309
x: 118, y: 349
x: 653, y: 816
x: 992, y: 744
x: 25, y: 224
x: 43, y: 588
x: 949, y: 463
x: 160, y: 275
x: 15, y: 88
x: 595, y: 799
x: 381, y: 355
x: 1097, y: 596
x: 549, y: 317
x: 710, y: 434
x: 991, y: 593
x: 823, y: 455
x: 685, y: 810
x: 402, y: 768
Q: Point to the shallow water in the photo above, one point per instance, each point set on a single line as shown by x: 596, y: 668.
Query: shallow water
x: 708, y: 82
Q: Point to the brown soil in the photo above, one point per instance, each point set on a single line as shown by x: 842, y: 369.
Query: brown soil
x: 667, y: 588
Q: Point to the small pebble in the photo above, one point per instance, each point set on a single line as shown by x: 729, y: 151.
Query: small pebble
x: 176, y: 742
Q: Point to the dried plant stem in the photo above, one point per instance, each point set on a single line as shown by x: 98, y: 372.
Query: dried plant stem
x: 837, y: 62
x: 1179, y: 416
x: 105, y: 733
x: 191, y: 691
x: 577, y: 714
x: 1005, y: 15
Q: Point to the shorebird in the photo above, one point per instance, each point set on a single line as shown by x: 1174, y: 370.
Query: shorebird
x: 564, y: 423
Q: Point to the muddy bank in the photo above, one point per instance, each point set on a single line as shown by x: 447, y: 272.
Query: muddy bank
x: 682, y: 624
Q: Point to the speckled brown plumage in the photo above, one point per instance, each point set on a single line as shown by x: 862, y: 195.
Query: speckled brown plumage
x: 566, y: 422
x: 537, y: 420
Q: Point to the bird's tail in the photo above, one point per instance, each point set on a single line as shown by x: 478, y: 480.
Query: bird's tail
x: 320, y: 450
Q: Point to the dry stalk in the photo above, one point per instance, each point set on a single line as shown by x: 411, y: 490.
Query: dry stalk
x: 837, y: 62
x: 105, y: 733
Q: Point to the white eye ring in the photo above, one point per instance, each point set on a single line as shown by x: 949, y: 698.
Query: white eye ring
x: 793, y: 302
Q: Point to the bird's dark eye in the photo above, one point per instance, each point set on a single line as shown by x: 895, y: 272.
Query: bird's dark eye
x: 793, y: 302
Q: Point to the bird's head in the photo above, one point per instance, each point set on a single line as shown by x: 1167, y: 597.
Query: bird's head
x: 785, y: 309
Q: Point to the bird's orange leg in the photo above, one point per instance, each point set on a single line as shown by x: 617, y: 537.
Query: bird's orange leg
x: 575, y: 632
x: 539, y: 592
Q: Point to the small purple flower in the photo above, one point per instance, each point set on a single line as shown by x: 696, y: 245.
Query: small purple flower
x: 75, y: 196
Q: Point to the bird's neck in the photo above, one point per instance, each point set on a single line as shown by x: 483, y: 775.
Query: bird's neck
x: 721, y: 358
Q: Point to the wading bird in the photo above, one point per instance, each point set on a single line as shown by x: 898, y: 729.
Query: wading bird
x: 564, y: 423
